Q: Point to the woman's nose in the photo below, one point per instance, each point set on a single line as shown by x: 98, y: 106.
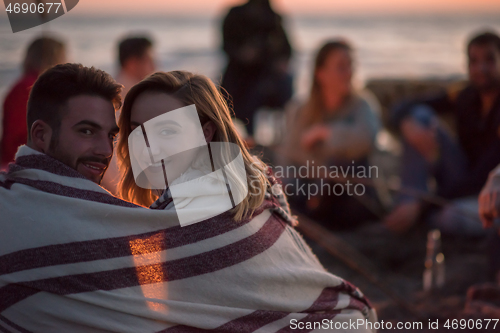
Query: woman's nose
x: 155, y: 149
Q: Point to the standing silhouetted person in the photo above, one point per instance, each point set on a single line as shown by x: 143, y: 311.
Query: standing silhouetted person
x: 258, y: 53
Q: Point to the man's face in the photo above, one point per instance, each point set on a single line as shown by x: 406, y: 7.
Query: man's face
x: 484, y: 66
x: 85, y: 140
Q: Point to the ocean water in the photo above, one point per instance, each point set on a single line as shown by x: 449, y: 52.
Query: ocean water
x: 423, y: 46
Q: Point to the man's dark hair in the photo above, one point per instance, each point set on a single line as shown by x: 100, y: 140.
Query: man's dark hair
x: 133, y: 47
x: 485, y: 38
x: 57, y: 85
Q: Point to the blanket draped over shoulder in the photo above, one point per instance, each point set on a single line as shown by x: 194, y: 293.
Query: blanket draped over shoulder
x: 73, y: 258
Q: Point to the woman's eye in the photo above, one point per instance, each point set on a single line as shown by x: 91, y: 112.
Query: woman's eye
x: 166, y: 132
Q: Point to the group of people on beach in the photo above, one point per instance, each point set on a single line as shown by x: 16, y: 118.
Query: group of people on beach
x: 121, y: 214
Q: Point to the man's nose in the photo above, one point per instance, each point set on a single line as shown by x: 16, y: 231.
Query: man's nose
x: 104, y: 147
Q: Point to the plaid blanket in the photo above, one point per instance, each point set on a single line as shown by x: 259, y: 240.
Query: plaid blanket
x: 73, y: 258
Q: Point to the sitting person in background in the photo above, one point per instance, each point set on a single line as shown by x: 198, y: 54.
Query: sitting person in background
x: 42, y: 53
x: 136, y: 58
x: 460, y: 168
x: 337, y: 126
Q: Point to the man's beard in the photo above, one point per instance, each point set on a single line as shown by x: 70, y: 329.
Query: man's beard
x: 53, y: 152
x: 96, y: 159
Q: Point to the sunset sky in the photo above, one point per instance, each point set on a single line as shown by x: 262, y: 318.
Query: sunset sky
x: 326, y: 7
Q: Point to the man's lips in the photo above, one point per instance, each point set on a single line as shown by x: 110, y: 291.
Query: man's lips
x: 95, y: 167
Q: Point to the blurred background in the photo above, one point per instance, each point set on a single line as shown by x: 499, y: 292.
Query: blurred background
x: 413, y: 38
x: 401, y: 49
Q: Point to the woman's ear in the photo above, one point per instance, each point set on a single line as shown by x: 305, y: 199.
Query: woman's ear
x: 209, y: 130
x: 41, y: 134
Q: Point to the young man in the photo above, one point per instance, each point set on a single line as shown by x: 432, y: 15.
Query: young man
x: 136, y: 58
x: 42, y: 53
x: 73, y: 258
x: 75, y: 124
x: 460, y: 169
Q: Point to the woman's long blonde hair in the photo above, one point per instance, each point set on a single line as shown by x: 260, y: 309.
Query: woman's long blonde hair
x: 312, y: 111
x: 189, y: 89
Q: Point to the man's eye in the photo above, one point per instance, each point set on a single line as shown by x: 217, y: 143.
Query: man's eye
x: 86, y: 131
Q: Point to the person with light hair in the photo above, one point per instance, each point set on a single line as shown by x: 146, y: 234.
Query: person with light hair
x: 244, y: 255
x: 337, y: 126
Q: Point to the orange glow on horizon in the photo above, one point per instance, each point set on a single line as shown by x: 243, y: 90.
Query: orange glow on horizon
x: 328, y: 7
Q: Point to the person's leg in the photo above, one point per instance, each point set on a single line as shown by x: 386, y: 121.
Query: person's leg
x: 241, y: 86
x: 460, y: 217
x: 450, y: 166
x: 279, y: 89
x: 414, y: 174
x: 346, y: 205
x: 416, y: 171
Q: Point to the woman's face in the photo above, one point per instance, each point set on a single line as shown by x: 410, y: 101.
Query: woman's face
x: 336, y: 73
x: 172, y: 135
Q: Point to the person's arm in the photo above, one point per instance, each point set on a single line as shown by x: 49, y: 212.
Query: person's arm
x: 351, y: 140
x: 489, y: 199
x: 290, y: 150
x: 440, y: 103
x: 285, y: 51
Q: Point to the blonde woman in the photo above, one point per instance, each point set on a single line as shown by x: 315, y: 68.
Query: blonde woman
x: 164, y: 92
x: 244, y: 269
x: 335, y: 126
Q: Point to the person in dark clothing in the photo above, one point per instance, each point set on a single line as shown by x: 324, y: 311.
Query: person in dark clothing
x: 460, y: 167
x: 258, y: 52
x: 42, y: 53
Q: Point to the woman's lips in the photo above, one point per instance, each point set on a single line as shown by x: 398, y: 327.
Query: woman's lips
x: 157, y: 167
